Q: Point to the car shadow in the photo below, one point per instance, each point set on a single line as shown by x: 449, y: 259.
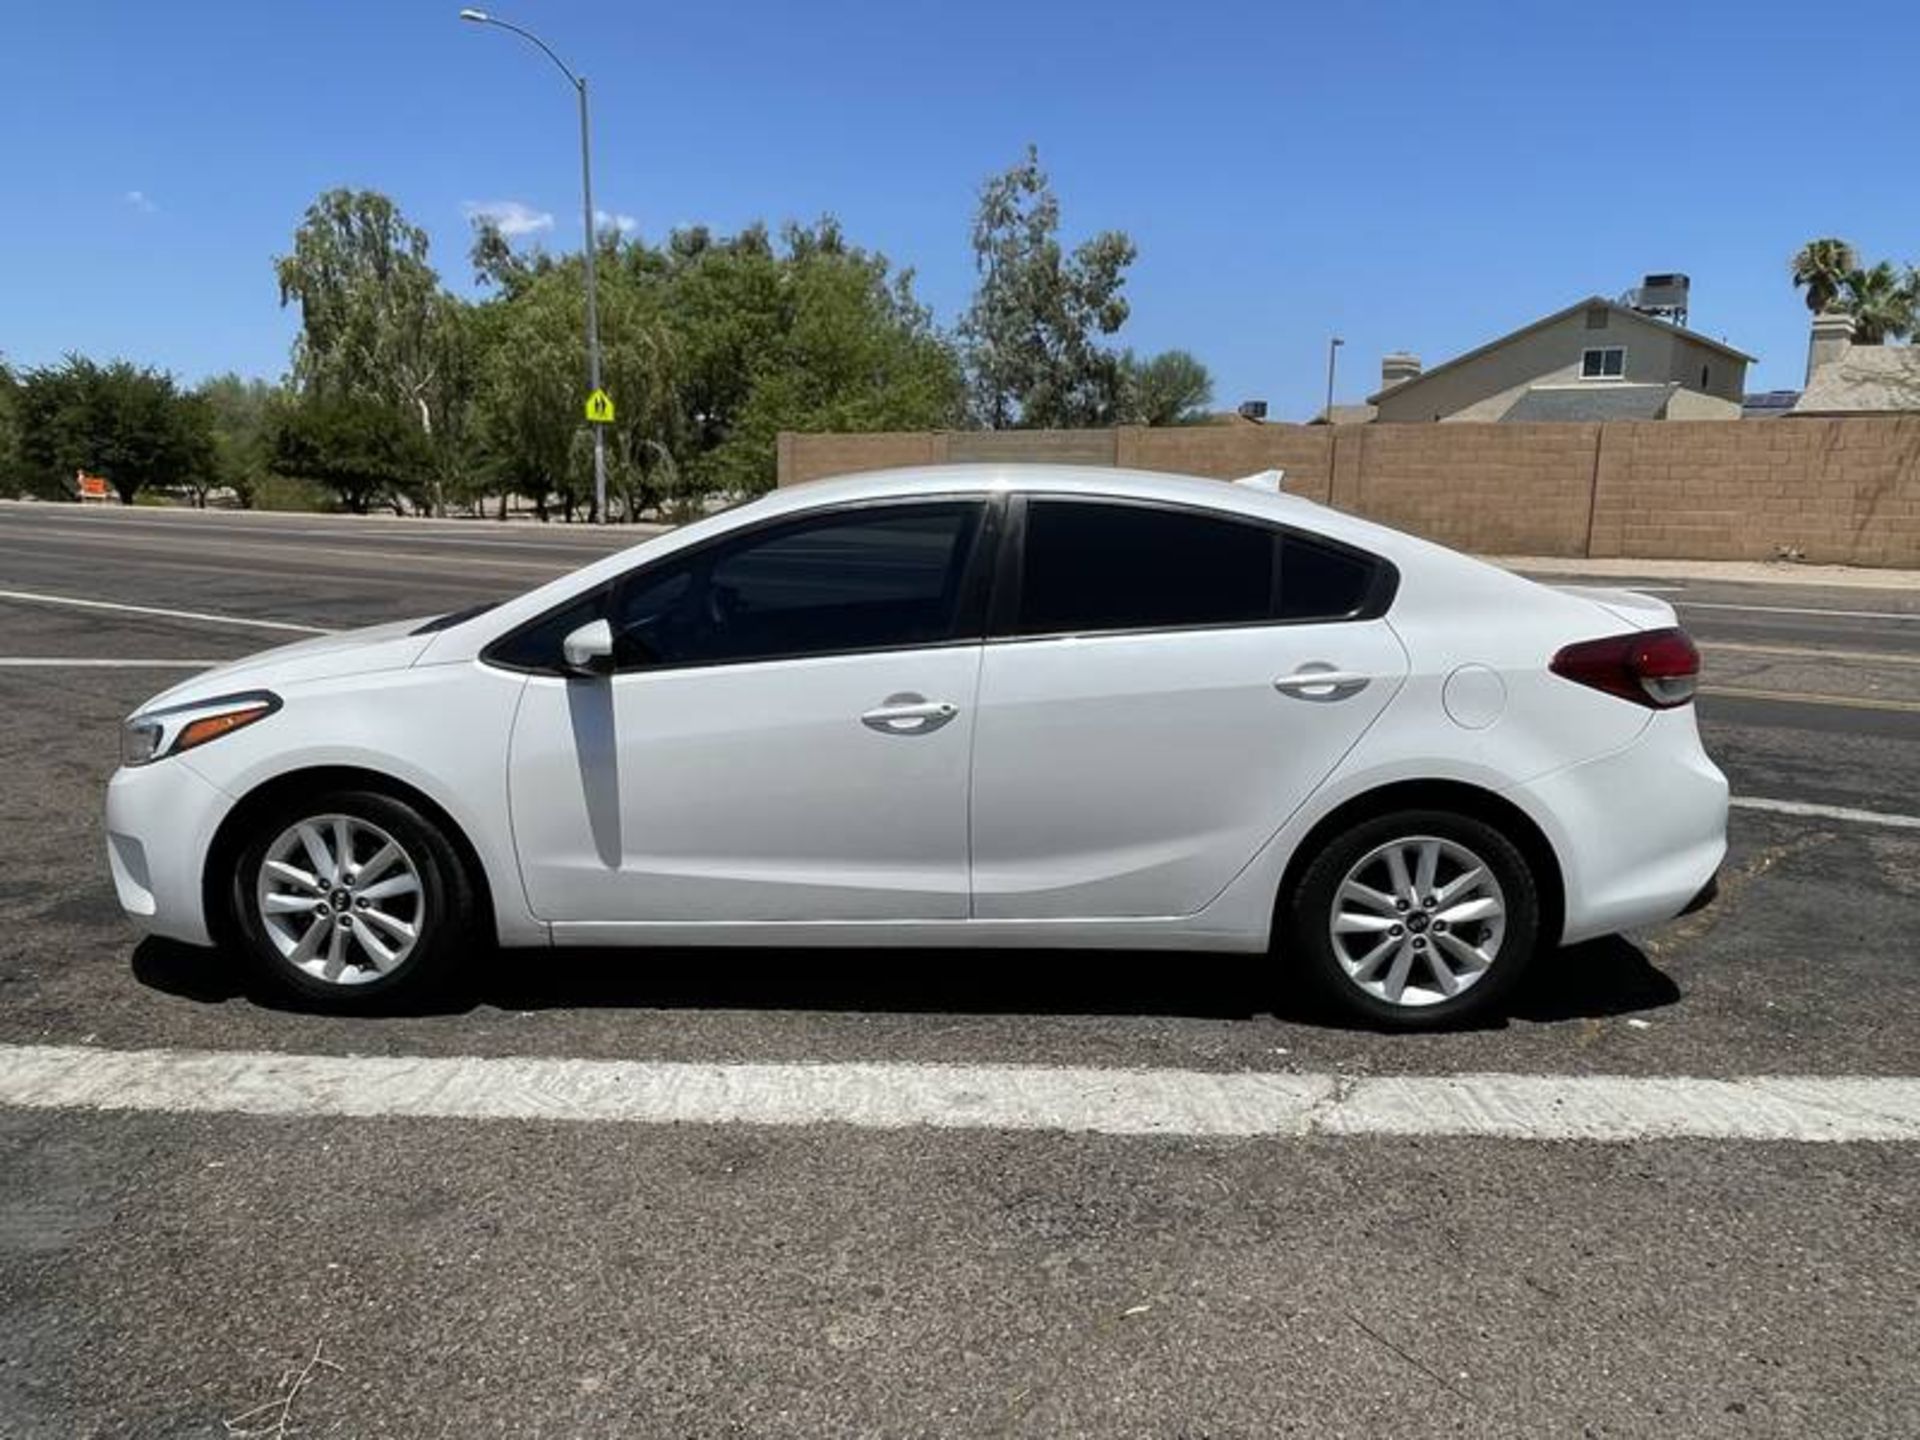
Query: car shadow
x: 1598, y: 979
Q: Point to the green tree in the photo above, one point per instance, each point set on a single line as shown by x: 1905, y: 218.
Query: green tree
x: 851, y: 349
x: 375, y: 324
x: 1820, y: 267
x: 240, y: 414
x: 1171, y: 388
x: 365, y: 451
x: 1881, y: 302
x: 1031, y: 334
x: 12, y: 480
x: 130, y: 424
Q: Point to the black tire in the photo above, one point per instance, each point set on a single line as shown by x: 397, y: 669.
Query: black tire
x: 1307, y: 914
x: 444, y: 914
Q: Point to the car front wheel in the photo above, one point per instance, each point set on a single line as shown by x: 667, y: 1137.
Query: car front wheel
x: 1416, y: 919
x: 350, y: 898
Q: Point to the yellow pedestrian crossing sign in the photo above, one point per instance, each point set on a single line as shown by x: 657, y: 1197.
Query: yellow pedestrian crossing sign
x: 600, y: 408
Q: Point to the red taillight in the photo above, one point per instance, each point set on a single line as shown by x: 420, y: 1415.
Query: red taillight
x: 1656, y: 668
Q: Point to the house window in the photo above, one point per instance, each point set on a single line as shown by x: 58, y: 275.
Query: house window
x: 1596, y: 317
x: 1603, y: 363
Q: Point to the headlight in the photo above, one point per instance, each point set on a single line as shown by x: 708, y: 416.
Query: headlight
x: 155, y: 734
x: 140, y: 741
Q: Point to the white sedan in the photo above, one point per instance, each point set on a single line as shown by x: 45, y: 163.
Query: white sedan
x: 997, y: 706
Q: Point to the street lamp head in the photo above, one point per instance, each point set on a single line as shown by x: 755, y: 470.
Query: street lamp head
x: 478, y: 17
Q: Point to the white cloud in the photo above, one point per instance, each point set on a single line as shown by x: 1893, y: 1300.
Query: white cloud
x: 139, y: 201
x: 512, y: 218
x: 608, y: 220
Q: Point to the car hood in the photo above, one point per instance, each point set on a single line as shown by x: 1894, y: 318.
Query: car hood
x: 325, y: 657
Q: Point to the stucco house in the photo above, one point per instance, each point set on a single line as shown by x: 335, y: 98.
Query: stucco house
x: 1595, y: 360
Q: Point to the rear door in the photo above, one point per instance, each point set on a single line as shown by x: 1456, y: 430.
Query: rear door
x: 1163, y: 687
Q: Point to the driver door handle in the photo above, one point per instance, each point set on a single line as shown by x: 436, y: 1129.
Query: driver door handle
x: 909, y: 714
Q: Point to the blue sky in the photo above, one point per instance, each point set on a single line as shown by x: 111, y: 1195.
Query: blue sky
x: 1421, y: 175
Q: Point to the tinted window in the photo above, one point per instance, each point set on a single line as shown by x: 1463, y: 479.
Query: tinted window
x: 874, y: 579
x: 1319, y: 582
x: 1092, y: 566
x: 537, y: 647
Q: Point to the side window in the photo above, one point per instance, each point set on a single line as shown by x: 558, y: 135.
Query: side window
x: 881, y: 578
x: 1090, y: 566
x: 1321, y: 582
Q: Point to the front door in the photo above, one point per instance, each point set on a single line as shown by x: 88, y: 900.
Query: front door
x: 786, y: 736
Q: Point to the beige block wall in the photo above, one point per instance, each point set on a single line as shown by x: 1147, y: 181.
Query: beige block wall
x: 1845, y: 491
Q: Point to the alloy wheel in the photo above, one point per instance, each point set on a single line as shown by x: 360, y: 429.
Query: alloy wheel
x: 1418, y: 921
x: 340, y: 899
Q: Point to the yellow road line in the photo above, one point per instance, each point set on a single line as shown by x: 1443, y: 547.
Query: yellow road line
x: 1866, y: 657
x: 1799, y: 697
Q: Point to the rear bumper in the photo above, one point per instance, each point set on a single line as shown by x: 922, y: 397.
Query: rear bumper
x: 1640, y: 833
x: 161, y: 820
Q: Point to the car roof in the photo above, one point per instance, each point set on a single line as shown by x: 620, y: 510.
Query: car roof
x: 908, y: 481
x: 1092, y: 480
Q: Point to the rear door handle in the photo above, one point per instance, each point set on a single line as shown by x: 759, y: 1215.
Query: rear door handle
x: 909, y: 714
x: 1324, y: 683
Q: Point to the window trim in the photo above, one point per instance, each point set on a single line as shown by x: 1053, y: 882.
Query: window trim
x: 1603, y: 351
x: 971, y: 598
x: 1003, y: 613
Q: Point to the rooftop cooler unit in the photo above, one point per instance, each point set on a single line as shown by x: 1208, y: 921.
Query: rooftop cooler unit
x: 1664, y: 297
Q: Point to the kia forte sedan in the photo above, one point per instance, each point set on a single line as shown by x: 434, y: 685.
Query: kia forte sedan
x: 953, y: 707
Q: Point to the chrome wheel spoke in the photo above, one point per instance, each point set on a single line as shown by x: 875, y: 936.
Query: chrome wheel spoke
x: 1352, y: 922
x: 1364, y: 967
x: 336, y: 952
x: 1425, y: 868
x: 384, y: 957
x: 1368, y: 896
x: 1396, y: 981
x: 1460, y: 885
x: 316, y: 848
x: 394, y: 885
x: 1444, y: 980
x: 399, y: 929
x: 294, y: 875
x: 310, y: 942
x: 1473, y: 960
x: 1397, y: 868
x: 285, y: 904
x: 1483, y: 907
x: 381, y: 862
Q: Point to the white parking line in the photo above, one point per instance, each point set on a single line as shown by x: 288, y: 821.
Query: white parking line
x: 35, y: 598
x: 1617, y: 1109
x: 1827, y: 812
x: 68, y: 662
x: 1913, y: 615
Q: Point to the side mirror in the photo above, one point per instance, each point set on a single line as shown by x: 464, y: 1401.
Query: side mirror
x: 589, y: 650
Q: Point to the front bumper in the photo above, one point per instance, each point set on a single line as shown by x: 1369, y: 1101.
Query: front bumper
x: 161, y: 820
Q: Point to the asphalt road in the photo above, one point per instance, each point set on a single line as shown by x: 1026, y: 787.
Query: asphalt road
x: 161, y: 1273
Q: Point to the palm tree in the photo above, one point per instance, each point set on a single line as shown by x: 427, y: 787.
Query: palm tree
x: 1881, y: 302
x: 1821, y: 268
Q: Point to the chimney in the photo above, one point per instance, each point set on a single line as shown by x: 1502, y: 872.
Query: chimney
x: 1398, y: 368
x: 1832, y: 338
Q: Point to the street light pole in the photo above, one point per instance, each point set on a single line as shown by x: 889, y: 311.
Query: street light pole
x: 1333, y: 355
x: 579, y: 83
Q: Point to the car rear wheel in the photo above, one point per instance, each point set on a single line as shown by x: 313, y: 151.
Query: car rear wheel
x: 350, y: 898
x: 1416, y: 919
